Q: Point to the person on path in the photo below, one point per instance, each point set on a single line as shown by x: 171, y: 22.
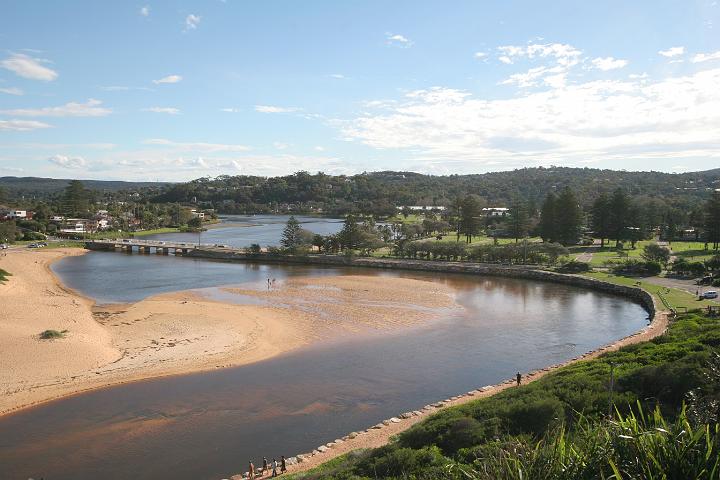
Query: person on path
x: 265, y: 465
x: 283, y: 468
x: 518, y: 378
x: 251, y: 471
x: 268, y: 283
x: 274, y: 472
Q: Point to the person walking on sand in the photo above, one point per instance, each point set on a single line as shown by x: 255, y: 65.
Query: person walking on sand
x: 265, y: 465
x: 518, y: 378
x: 283, y: 468
x: 274, y: 472
x: 251, y: 471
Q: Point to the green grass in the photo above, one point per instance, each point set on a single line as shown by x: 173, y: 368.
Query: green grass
x: 3, y: 275
x: 52, y: 334
x: 555, y: 427
x: 692, y: 251
x: 674, y: 297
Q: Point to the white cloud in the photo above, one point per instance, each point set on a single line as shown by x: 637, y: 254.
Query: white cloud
x: 91, y: 108
x: 563, y: 54
x: 197, y: 146
x: 21, y: 125
x: 68, y: 162
x: 480, y: 55
x: 505, y: 59
x: 191, y: 22
x: 145, y: 11
x: 11, y: 91
x: 339, y: 76
x: 443, y: 129
x: 608, y: 63
x: 168, y: 110
x: 280, y: 145
x: 230, y: 110
x: 398, y: 40
x: 319, y: 148
x: 672, y: 52
x: 168, y: 79
x: 29, y: 67
x: 274, y: 109
x: 704, y: 57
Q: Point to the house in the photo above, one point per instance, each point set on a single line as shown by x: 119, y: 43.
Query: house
x: 20, y: 214
x: 196, y: 214
x: 496, y: 211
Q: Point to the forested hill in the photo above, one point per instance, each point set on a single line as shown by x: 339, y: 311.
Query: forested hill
x: 383, y: 190
x: 43, y: 188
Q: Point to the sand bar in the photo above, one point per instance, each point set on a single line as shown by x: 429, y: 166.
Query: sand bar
x: 180, y: 332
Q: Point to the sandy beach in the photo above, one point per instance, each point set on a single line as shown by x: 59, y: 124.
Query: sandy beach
x: 180, y: 332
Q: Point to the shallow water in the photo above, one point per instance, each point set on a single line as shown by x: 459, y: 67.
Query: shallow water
x: 208, y: 425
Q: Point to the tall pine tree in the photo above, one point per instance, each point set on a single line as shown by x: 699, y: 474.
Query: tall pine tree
x: 568, y: 217
x: 619, y: 216
x: 548, y: 222
x: 291, y: 236
x: 600, y: 218
x: 712, y: 220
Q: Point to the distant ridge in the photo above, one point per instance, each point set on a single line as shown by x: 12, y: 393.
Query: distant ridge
x: 43, y: 187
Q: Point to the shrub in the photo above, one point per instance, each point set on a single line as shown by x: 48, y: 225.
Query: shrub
x: 573, y: 267
x: 637, y: 267
x: 255, y: 248
x: 52, y: 334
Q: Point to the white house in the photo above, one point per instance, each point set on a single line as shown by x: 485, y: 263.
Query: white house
x: 495, y: 211
x: 18, y: 214
x: 196, y: 214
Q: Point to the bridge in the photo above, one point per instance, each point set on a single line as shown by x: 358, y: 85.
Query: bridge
x: 159, y: 247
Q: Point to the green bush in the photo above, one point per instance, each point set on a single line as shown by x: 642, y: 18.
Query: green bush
x: 52, y: 334
x: 637, y: 268
x: 573, y: 267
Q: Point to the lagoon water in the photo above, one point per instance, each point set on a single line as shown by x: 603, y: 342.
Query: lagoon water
x: 209, y: 425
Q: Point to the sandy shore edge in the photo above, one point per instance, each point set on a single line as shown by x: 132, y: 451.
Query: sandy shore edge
x: 381, y: 434
x: 174, y: 333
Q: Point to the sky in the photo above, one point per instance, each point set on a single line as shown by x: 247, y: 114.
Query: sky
x: 173, y: 91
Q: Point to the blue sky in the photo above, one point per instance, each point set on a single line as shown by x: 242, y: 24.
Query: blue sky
x: 184, y: 89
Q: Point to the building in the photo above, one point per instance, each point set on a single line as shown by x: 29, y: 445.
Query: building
x: 196, y: 214
x: 495, y: 211
x: 20, y: 214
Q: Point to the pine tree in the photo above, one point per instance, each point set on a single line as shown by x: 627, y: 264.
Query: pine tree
x: 548, y: 225
x: 470, y: 216
x: 519, y: 222
x: 619, y: 216
x: 291, y: 236
x: 600, y: 218
x: 76, y: 199
x: 712, y: 220
x: 349, y: 236
x: 568, y: 217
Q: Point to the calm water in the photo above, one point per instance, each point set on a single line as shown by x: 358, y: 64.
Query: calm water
x: 208, y: 425
x: 244, y: 230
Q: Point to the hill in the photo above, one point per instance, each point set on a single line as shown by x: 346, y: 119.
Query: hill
x: 381, y: 191
x: 42, y: 188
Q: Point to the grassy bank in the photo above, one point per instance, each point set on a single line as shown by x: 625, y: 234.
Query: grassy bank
x: 557, y: 427
x: 671, y: 297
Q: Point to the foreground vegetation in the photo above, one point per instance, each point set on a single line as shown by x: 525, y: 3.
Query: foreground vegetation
x: 665, y: 400
x: 3, y: 275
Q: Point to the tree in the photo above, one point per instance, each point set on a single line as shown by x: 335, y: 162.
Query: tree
x: 470, y: 216
x: 76, y: 199
x: 291, y: 237
x: 656, y: 253
x: 195, y: 223
x: 519, y: 222
x: 568, y: 217
x: 600, y: 218
x: 712, y: 220
x: 349, y: 236
x: 548, y: 222
x: 3, y: 195
x: 318, y: 241
x: 618, y: 219
x: 7, y: 232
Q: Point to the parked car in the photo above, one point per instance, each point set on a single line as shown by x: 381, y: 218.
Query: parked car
x: 3, y: 246
x: 32, y: 245
x: 710, y: 294
x: 706, y: 280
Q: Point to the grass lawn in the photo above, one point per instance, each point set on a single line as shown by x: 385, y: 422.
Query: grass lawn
x: 412, y: 218
x: 692, y: 251
x: 674, y: 297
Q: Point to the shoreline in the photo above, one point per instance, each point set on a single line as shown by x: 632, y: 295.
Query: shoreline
x: 168, y: 334
x: 382, y: 433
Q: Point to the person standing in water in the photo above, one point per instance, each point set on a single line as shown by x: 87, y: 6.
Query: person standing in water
x: 283, y: 468
x: 518, y: 378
